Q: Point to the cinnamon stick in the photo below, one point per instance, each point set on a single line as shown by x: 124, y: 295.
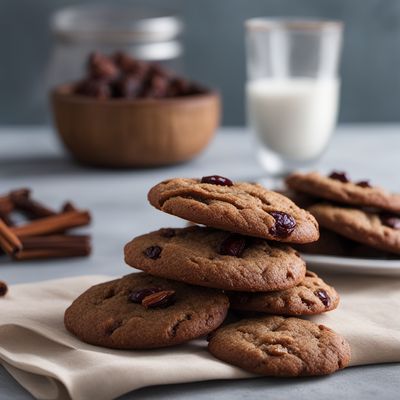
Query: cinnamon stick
x: 54, y: 246
x: 24, y: 192
x: 9, y: 241
x: 56, y: 242
x: 68, y: 206
x: 44, y: 236
x: 22, y: 201
x: 6, y: 205
x: 6, y: 218
x: 53, y: 224
x: 51, y: 253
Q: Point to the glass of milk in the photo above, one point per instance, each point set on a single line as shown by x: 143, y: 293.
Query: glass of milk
x: 292, y: 89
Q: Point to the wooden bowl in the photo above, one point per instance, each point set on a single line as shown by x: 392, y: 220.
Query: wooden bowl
x: 133, y: 133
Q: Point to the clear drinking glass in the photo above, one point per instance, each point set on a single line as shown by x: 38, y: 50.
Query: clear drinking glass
x: 292, y: 89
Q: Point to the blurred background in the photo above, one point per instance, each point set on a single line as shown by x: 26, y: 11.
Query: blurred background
x: 214, y: 52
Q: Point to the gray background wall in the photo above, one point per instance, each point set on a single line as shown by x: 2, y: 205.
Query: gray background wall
x: 215, y: 52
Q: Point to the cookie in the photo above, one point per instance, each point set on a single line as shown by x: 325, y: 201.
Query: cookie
x: 329, y: 243
x: 218, y: 259
x: 337, y: 187
x: 360, y: 250
x: 245, y: 208
x: 380, y: 231
x: 302, y: 200
x: 332, y: 244
x: 139, y: 311
x: 311, y: 296
x: 278, y: 346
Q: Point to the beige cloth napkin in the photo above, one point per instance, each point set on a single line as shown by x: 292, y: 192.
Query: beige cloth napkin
x: 52, y: 364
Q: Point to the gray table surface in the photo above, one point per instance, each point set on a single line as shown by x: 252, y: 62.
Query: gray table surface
x: 32, y: 157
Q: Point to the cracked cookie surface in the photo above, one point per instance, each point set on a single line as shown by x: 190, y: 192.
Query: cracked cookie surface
x: 310, y: 296
x: 321, y: 186
x: 193, y: 255
x: 243, y: 208
x: 105, y: 316
x: 278, y: 346
x: 359, y: 225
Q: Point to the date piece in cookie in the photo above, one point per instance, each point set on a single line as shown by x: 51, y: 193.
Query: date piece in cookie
x: 244, y: 208
x: 218, y: 259
x: 338, y: 187
x: 380, y: 231
x: 278, y: 346
x: 311, y: 296
x: 139, y: 311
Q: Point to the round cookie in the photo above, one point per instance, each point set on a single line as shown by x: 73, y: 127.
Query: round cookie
x: 311, y: 296
x: 343, y: 191
x: 245, y: 208
x: 329, y: 243
x: 301, y: 199
x: 278, y: 346
x: 117, y: 314
x: 361, y: 226
x: 210, y: 257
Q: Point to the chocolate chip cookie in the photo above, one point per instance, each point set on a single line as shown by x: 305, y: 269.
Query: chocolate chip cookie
x: 380, y: 231
x: 278, y: 346
x: 214, y: 258
x: 311, y: 296
x: 139, y: 311
x: 245, y: 208
x: 337, y: 187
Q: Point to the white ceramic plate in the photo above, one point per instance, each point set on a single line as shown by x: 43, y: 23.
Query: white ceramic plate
x: 352, y: 265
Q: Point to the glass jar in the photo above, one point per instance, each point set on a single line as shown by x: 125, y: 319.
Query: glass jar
x: 146, y: 34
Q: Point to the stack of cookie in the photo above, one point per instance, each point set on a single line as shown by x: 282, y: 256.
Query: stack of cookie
x: 239, y: 259
x: 357, y: 219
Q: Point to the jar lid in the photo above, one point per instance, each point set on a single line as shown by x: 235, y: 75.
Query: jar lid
x: 115, y: 24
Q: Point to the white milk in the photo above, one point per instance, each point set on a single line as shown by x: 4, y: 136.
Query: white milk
x: 293, y: 117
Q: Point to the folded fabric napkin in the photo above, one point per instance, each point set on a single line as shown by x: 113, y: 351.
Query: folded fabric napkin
x: 52, y: 364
